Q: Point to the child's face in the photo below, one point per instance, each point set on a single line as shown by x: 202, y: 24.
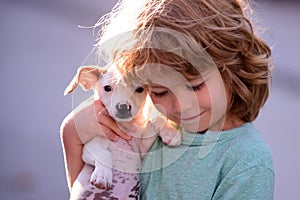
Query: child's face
x: 196, y: 105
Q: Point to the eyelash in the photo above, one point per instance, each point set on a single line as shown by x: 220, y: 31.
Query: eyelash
x: 194, y: 88
x: 197, y: 87
x: 161, y: 94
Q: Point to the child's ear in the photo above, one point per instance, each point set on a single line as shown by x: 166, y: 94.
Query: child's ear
x: 86, y: 77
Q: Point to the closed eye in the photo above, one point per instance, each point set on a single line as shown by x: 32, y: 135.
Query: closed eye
x: 197, y: 87
x: 160, y: 94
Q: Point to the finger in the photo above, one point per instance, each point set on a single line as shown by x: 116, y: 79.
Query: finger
x: 108, y: 133
x: 105, y: 119
x: 108, y: 121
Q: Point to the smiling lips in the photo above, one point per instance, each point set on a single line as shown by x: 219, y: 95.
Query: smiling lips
x: 190, y: 118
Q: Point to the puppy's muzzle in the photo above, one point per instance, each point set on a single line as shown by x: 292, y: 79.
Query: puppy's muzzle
x: 123, y: 110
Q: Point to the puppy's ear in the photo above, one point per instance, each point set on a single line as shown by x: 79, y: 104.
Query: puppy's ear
x: 86, y: 77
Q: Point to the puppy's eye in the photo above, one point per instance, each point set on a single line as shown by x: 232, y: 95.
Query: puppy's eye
x: 107, y: 88
x: 139, y: 89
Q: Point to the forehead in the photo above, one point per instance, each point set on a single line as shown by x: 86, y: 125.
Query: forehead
x: 158, y: 75
x: 115, y: 77
x: 110, y: 77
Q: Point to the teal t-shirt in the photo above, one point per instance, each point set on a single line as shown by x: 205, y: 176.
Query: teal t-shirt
x: 233, y: 164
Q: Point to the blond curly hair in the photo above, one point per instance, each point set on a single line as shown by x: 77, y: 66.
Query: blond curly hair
x: 220, y: 27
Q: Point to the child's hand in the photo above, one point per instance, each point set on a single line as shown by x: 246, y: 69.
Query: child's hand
x: 108, y: 125
x: 91, y: 120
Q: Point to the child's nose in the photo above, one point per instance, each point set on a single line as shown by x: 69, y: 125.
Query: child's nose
x: 176, y: 105
x: 183, y: 101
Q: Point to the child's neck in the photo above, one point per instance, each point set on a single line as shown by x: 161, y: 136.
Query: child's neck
x: 232, y: 123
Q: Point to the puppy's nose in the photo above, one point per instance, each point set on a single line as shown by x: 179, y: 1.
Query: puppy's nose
x: 123, y: 108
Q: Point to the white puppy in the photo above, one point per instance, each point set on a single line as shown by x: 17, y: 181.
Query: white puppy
x: 117, y: 164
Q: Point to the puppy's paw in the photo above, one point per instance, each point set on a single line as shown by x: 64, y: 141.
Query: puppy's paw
x: 170, y: 137
x: 101, y: 176
x: 175, y: 141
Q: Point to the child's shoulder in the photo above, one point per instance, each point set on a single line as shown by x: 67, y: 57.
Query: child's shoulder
x: 251, y: 141
x: 249, y: 149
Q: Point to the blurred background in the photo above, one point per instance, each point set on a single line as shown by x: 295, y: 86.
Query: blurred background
x: 41, y: 47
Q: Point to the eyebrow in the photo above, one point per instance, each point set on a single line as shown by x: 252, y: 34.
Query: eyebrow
x: 157, y: 86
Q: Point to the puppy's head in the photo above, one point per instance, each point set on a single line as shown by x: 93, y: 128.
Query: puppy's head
x: 123, y: 95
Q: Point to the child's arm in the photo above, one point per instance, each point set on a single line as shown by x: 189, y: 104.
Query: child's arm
x: 72, y: 148
x: 79, y: 127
